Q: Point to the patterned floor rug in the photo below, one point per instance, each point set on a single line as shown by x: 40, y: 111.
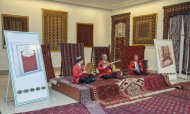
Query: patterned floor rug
x: 184, y: 85
x: 85, y: 96
x: 106, y: 92
x: 76, y: 108
x: 162, y: 103
x: 113, y: 91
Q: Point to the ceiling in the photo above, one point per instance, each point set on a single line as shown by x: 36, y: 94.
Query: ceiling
x: 106, y: 4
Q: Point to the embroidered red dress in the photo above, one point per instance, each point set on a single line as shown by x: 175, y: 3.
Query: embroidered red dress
x: 132, y: 66
x: 77, y: 73
x: 104, y: 71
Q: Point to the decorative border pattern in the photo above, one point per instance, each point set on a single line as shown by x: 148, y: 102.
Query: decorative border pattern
x: 119, y: 42
x: 144, y: 29
x: 173, y: 10
x: 54, y: 28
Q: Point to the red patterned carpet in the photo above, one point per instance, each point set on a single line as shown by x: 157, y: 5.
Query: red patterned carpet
x: 76, y: 108
x: 174, y: 102
x: 185, y: 85
x: 155, y: 82
x: 108, y: 93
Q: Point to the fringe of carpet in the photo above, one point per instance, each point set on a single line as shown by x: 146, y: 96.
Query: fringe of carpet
x: 93, y: 106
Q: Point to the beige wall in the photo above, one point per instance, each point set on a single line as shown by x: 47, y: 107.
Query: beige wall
x: 100, y: 18
x: 148, y: 8
x: 32, y: 8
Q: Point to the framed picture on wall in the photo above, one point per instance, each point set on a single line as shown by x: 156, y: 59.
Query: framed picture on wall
x: 13, y: 23
x: 144, y: 29
x: 85, y: 34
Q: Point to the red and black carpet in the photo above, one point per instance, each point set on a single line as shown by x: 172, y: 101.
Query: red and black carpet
x: 172, y: 102
x: 162, y: 103
x: 76, y: 108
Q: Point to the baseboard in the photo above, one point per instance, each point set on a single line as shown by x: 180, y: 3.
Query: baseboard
x: 6, y: 72
x: 57, y: 68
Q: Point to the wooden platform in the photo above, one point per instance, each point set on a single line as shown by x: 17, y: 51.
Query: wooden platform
x: 68, y: 90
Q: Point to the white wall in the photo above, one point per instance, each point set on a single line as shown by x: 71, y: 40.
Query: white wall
x: 100, y: 18
x: 148, y: 8
x: 32, y: 8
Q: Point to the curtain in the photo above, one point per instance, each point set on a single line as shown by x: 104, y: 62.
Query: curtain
x: 175, y: 34
x: 186, y: 62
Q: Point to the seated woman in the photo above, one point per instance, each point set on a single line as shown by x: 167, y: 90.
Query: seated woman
x: 79, y: 74
x: 105, y: 68
x: 136, y: 66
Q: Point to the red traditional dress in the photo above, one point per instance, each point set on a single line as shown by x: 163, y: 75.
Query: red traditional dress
x: 77, y: 73
x: 104, y: 71
x: 132, y: 66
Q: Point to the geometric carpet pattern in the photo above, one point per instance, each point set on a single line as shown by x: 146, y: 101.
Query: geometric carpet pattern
x: 76, y: 108
x: 172, y: 102
x: 162, y: 103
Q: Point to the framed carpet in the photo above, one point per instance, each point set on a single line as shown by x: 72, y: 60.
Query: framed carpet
x: 144, y: 29
x: 85, y: 34
x: 171, y: 11
x: 13, y: 23
x: 54, y: 28
x: 120, y: 35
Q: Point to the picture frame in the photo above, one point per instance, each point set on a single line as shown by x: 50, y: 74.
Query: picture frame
x: 144, y: 29
x: 27, y: 71
x: 165, y: 58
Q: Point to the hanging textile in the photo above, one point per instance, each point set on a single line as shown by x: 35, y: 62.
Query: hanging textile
x: 69, y: 52
x: 120, y: 35
x: 97, y: 52
x: 48, y: 62
x: 186, y: 54
x: 128, y: 53
x: 175, y: 35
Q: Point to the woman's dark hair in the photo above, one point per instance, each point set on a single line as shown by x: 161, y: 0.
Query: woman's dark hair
x: 78, y: 59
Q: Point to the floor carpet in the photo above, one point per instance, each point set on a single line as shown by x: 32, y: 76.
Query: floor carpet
x: 163, y: 103
x: 76, y: 108
x: 108, y: 92
x: 172, y: 102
